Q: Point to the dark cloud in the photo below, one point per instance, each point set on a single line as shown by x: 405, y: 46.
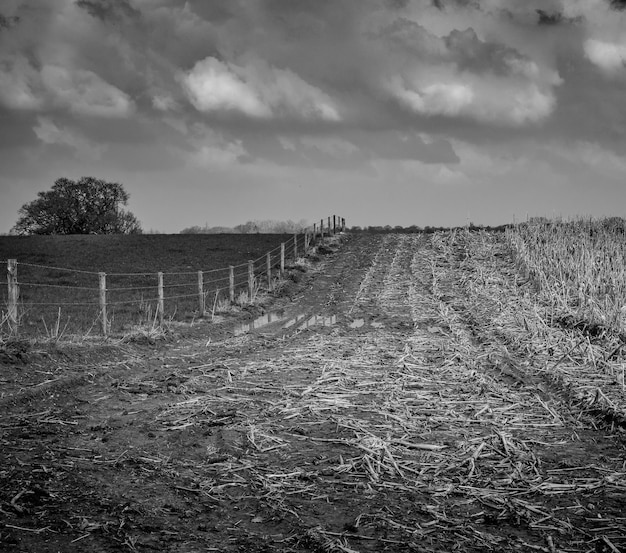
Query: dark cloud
x: 549, y: 18
x: 109, y: 10
x: 472, y: 54
x: 8, y: 22
x: 215, y: 11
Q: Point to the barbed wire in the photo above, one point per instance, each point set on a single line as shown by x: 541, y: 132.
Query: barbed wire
x: 59, y: 303
x: 63, y: 286
x: 52, y: 268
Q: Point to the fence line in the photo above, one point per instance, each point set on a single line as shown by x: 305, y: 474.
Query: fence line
x: 260, y: 273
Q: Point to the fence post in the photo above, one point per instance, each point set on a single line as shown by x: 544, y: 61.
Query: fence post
x: 334, y: 224
x: 306, y: 241
x: 329, y: 227
x: 103, y: 302
x: 200, y: 293
x: 250, y: 280
x: 343, y: 225
x: 13, y: 290
x: 231, y: 283
x: 322, y: 229
x: 282, y: 258
x: 269, y: 271
x: 314, y: 231
x: 295, y: 246
x: 160, y: 304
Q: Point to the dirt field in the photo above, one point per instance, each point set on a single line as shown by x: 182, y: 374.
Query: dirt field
x: 403, y: 397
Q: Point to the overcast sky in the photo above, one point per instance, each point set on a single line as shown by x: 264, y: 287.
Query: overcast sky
x: 400, y: 112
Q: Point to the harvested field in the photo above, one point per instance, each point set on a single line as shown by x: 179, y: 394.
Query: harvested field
x: 411, y: 394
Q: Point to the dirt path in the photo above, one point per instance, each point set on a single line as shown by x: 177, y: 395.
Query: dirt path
x: 400, y: 402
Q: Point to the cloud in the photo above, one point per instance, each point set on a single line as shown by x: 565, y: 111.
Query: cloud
x: 460, y: 75
x: 211, y: 149
x: 592, y: 157
x: 108, y: 10
x: 609, y: 56
x: 19, y: 84
x: 215, y: 86
x: 85, y: 93
x: 257, y: 90
x: 164, y: 102
x: 50, y: 133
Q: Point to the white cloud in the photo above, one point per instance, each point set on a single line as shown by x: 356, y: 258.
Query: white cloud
x: 50, y: 133
x: 85, y: 93
x: 215, y: 86
x: 437, y: 98
x: 460, y: 74
x: 487, y: 99
x: 609, y: 56
x: 255, y: 89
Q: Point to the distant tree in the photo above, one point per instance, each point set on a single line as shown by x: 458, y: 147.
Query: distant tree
x: 86, y: 206
x: 192, y: 230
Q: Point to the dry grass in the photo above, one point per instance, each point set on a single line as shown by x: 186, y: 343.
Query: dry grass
x: 579, y: 267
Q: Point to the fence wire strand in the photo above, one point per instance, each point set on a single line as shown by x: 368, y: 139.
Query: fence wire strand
x: 291, y: 247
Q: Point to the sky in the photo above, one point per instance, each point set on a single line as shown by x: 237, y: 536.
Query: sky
x: 385, y: 112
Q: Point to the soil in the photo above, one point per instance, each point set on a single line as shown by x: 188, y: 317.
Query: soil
x: 378, y: 403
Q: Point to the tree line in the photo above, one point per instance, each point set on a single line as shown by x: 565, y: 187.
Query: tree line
x: 252, y: 227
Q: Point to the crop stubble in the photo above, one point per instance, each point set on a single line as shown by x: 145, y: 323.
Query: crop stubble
x: 441, y: 412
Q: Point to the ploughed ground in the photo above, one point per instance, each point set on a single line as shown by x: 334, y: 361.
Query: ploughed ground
x: 407, y: 394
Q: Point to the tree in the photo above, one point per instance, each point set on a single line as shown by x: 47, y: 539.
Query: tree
x: 87, y: 206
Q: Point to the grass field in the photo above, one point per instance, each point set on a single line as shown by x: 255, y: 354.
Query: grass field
x: 59, y: 284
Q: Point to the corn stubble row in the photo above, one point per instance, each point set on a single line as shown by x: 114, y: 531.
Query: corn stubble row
x: 578, y: 266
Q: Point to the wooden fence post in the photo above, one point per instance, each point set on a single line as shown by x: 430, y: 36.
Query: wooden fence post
x: 269, y: 271
x: 282, y: 258
x: 334, y: 224
x: 329, y: 227
x: 103, y: 302
x: 231, y: 283
x: 306, y: 241
x: 161, y: 303
x: 201, y: 306
x: 322, y: 229
x: 250, y: 280
x: 295, y: 246
x: 314, y: 231
x: 13, y: 291
x: 343, y: 225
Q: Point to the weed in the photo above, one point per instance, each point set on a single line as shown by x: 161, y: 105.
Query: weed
x: 54, y: 332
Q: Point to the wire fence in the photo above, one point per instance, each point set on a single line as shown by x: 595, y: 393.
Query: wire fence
x: 47, y: 300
